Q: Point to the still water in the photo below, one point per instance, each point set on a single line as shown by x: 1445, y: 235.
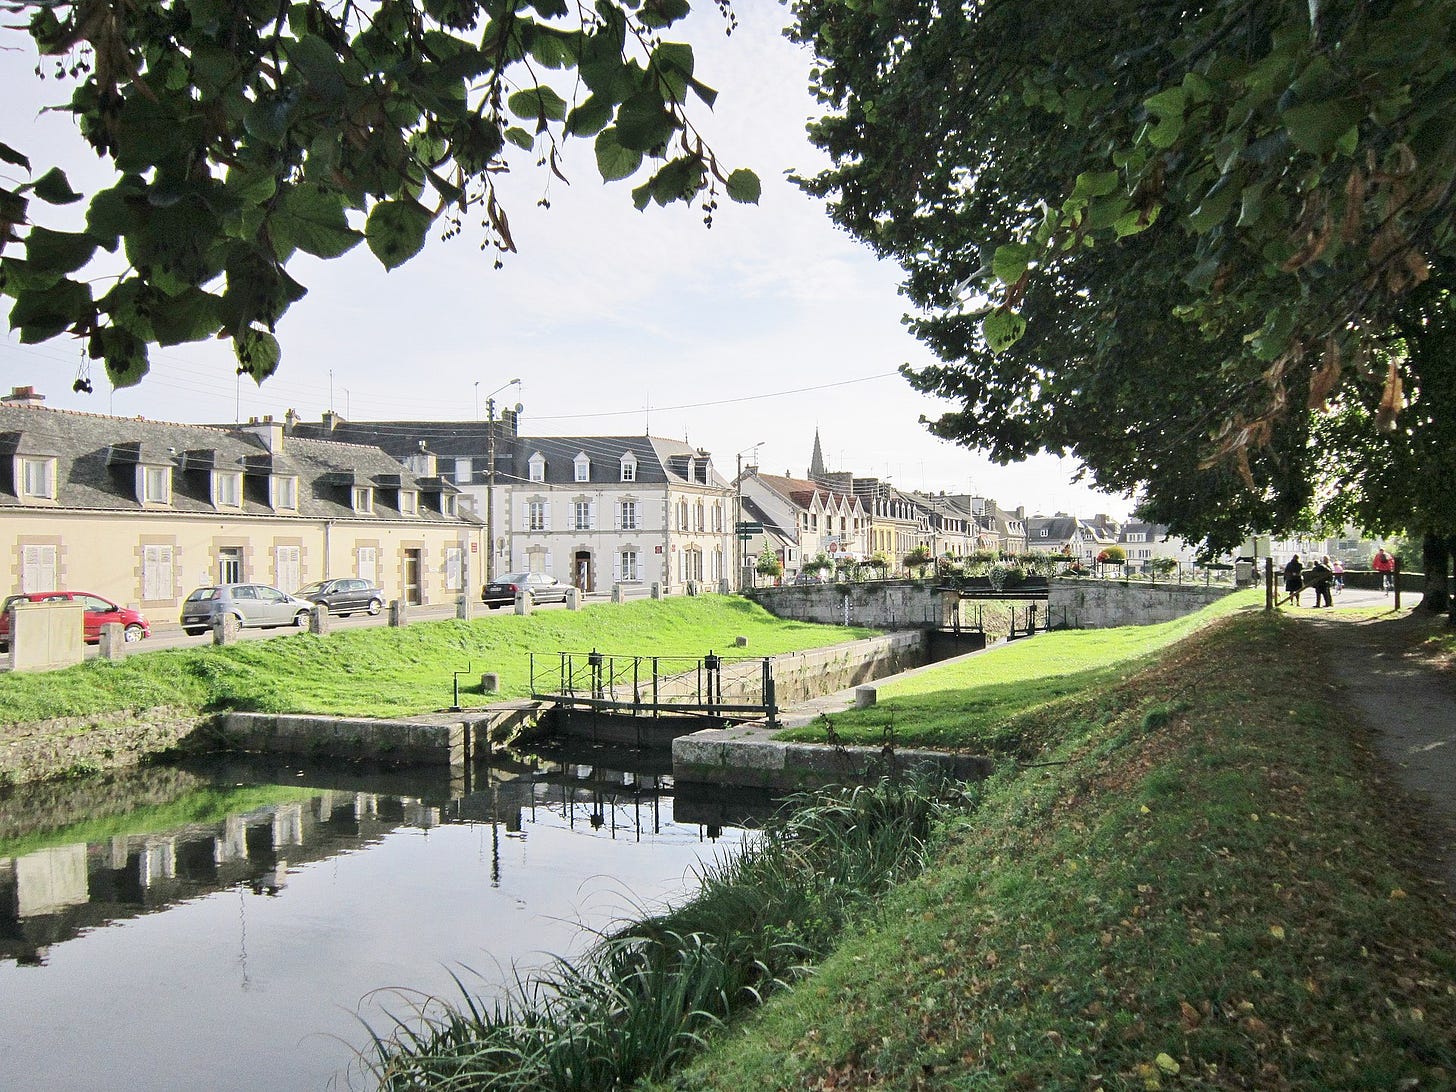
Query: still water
x: 241, y: 925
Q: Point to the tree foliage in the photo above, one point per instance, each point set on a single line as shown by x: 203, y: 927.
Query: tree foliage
x: 1169, y: 238
x: 243, y: 132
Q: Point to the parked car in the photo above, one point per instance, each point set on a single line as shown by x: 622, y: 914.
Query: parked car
x: 99, y: 611
x: 255, y: 606
x: 344, y: 595
x: 540, y: 587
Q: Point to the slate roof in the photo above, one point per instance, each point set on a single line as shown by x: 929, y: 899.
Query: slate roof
x: 96, y: 457
x: 659, y: 461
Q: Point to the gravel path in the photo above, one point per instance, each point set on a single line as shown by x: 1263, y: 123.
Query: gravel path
x: 1410, y: 704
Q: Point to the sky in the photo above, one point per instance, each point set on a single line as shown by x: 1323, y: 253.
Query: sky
x: 744, y: 337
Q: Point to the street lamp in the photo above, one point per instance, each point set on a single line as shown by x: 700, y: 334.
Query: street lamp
x: 490, y: 476
x: 738, y: 537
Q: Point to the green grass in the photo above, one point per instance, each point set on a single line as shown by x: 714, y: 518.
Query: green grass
x: 381, y: 671
x: 982, y: 702
x: 1207, y: 886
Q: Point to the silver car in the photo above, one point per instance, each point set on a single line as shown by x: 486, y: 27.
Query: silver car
x: 255, y: 606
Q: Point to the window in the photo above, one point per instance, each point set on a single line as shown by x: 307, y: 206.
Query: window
x: 363, y: 499
x: 698, y: 516
x: 229, y: 564
x: 536, y: 515
x: 627, y: 565
x: 409, y: 502
x: 367, y: 563
x: 156, y: 485
x: 157, y: 579
x: 629, y: 468
x: 583, y: 468
x: 581, y: 515
x: 227, y: 489
x: 629, y: 515
x: 454, y: 568
x: 38, y: 478
x: 692, y: 564
x: 462, y: 471
x: 718, y: 517
x: 38, y: 568
x: 449, y: 505
x: 537, y: 468
x: 285, y: 492
x: 813, y: 521
x: 1137, y: 536
x: 682, y: 515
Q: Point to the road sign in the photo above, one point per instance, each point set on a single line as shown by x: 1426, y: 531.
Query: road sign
x: 750, y: 527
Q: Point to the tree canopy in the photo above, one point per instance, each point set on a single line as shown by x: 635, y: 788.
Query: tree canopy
x: 1193, y: 244
x: 243, y: 132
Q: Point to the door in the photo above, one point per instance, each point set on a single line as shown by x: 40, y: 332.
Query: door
x: 413, y: 567
x: 583, y: 570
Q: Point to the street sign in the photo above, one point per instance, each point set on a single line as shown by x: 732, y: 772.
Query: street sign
x: 750, y: 527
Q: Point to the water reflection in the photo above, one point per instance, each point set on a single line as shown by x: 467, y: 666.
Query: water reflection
x: 315, y: 885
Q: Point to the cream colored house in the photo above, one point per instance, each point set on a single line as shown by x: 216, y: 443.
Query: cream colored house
x: 143, y: 511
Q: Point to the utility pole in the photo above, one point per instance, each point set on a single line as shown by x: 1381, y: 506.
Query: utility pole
x: 738, y: 537
x: 490, y: 476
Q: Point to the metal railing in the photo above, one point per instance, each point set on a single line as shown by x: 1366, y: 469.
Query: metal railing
x: 735, y: 688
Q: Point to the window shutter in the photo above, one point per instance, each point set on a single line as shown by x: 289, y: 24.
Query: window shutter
x: 616, y: 566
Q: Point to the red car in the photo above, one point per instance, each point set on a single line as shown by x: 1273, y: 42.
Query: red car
x: 99, y: 612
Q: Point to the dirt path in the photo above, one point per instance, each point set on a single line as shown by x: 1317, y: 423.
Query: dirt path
x: 1410, y: 703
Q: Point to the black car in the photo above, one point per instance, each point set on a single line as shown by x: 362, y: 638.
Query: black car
x: 540, y: 587
x: 344, y: 595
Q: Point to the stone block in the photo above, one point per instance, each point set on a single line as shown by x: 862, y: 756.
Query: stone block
x: 318, y: 620
x: 573, y: 599
x: 398, y: 612
x: 225, y: 630
x: 865, y: 696
x: 490, y: 683
x: 619, y: 594
x: 465, y: 607
x: 657, y: 591
x: 523, y: 603
x: 113, y: 642
x: 740, y: 641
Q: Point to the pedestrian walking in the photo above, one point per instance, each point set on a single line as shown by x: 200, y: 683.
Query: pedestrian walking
x: 1319, y: 577
x: 1384, y: 564
x: 1293, y: 579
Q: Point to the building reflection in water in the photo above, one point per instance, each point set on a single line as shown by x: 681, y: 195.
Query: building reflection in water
x: 53, y: 893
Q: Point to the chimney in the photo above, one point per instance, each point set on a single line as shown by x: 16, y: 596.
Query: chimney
x: 23, y: 396
x: 267, y: 430
x: 332, y: 420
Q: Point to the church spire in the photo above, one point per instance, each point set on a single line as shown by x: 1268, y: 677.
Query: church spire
x: 816, y: 464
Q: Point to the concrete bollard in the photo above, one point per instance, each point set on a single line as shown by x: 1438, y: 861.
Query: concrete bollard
x: 724, y: 587
x: 741, y: 641
x: 523, y: 603
x: 619, y: 594
x: 465, y: 607
x: 398, y: 612
x: 865, y: 696
x: 113, y: 642
x: 490, y: 683
x: 573, y: 599
x: 225, y: 630
x: 656, y: 590
x: 318, y: 620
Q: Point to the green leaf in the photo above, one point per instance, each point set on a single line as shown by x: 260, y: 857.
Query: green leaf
x: 53, y: 188
x: 312, y: 220
x: 590, y: 117
x: 674, y: 63
x: 320, y: 65
x: 42, y: 313
x: 520, y: 138
x: 661, y: 13
x: 1167, y: 106
x: 704, y: 92
x: 743, y: 186
x: 10, y: 155
x: 614, y: 161
x: 1095, y: 184
x: 1010, y: 262
x: 1002, y: 329
x: 1318, y: 127
x: 538, y: 104
x: 125, y: 355
x: 396, y: 231
x: 258, y: 353
x: 189, y: 316
x: 58, y: 251
x: 111, y: 214
x: 642, y: 122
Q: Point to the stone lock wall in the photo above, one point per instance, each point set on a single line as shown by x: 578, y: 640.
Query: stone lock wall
x: 1100, y: 604
x: 879, y: 604
x: 72, y: 745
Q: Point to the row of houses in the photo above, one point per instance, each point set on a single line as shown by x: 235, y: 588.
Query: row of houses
x: 143, y: 511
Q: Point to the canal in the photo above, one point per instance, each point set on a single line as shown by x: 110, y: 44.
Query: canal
x: 243, y: 924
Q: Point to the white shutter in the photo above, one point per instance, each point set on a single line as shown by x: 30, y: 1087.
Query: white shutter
x: 546, y: 514
x: 616, y: 566
x: 591, y: 515
x: 38, y: 568
x: 157, y: 579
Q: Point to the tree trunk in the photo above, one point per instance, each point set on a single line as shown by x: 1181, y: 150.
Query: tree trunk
x: 1436, y: 554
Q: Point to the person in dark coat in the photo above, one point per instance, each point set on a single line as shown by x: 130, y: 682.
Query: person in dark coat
x: 1318, y: 577
x: 1293, y: 579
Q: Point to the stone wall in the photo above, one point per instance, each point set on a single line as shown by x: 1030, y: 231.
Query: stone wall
x: 880, y: 604
x: 1100, y: 604
x: 799, y: 676
x: 66, y: 746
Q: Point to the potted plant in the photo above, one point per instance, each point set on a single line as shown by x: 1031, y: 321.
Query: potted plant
x: 768, y: 564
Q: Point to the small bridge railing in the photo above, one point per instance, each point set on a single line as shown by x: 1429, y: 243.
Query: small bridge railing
x: 721, y: 687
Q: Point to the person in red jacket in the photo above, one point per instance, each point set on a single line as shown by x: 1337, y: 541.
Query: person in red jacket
x: 1384, y: 564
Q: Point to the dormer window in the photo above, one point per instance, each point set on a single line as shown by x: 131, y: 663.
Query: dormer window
x: 363, y: 500
x: 227, y: 489
x: 38, y: 478
x: 583, y: 467
x: 285, y: 492
x: 629, y: 467
x: 449, y: 505
x: 409, y: 502
x: 156, y: 484
x: 536, y: 468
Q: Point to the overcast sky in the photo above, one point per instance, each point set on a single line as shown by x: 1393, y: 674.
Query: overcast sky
x: 755, y: 332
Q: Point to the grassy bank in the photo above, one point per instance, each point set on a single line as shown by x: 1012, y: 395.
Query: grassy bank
x: 1206, y: 884
x: 381, y: 671
x: 989, y: 703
